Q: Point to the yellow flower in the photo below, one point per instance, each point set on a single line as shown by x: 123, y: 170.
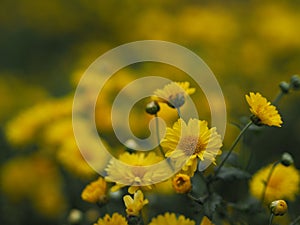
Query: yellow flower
x: 173, y: 94
x: 283, y: 184
x: 171, y: 219
x: 278, y: 207
x: 115, y: 219
x: 71, y: 158
x: 139, y: 172
x: 182, y: 183
x: 134, y: 205
x: 185, y: 143
x: 95, y: 192
x: 206, y: 221
x: 37, y: 180
x: 263, y: 111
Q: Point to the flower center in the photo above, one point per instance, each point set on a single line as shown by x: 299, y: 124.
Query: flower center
x: 191, y: 145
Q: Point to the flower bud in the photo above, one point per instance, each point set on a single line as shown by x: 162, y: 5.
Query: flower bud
x: 287, y: 159
x: 284, y: 86
x: 152, y: 108
x: 134, y: 220
x: 295, y: 82
x: 278, y: 207
x: 131, y: 145
x: 182, y: 183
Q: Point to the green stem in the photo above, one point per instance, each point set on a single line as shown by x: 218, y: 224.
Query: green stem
x: 233, y: 146
x: 295, y: 221
x: 267, y: 181
x: 271, y: 219
x: 157, y: 136
x: 178, y: 112
x: 278, y: 97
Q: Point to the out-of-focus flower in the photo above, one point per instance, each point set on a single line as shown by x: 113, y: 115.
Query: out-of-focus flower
x: 171, y: 219
x: 262, y: 110
x: 115, y: 219
x: 138, y: 174
x: 27, y: 126
x: 75, y: 216
x: 278, y: 207
x: 191, y: 141
x: 95, y: 192
x: 182, y: 183
x: 283, y: 183
x: 36, y: 179
x: 71, y: 158
x: 134, y: 205
x: 174, y: 94
x: 206, y: 221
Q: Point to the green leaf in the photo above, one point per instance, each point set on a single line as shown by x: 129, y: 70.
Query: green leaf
x: 232, y: 173
x: 211, y: 203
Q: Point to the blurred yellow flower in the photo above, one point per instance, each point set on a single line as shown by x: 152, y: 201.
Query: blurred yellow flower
x: 171, y: 219
x: 182, y: 183
x: 71, y: 158
x: 139, y: 174
x: 206, y: 221
x: 95, y: 192
x: 263, y: 111
x: 115, y: 219
x: 134, y: 205
x: 173, y: 94
x: 36, y: 179
x: 185, y: 143
x: 25, y: 128
x: 283, y: 184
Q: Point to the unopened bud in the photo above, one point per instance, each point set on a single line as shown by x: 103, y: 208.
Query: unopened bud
x: 134, y: 220
x: 131, y: 145
x: 278, y: 207
x: 182, y: 183
x: 287, y: 159
x: 295, y: 82
x: 285, y: 87
x: 152, y: 108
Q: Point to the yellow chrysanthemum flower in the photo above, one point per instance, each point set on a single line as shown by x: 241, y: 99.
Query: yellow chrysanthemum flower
x: 186, y: 143
x: 134, y: 205
x: 283, y: 184
x: 115, y: 219
x: 95, y: 192
x: 171, y: 219
x: 173, y: 94
x: 71, y: 158
x: 138, y: 174
x: 263, y: 111
x: 182, y: 183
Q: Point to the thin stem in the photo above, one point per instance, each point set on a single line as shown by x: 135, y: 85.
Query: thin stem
x: 295, y: 221
x: 271, y: 219
x: 267, y: 181
x: 157, y: 135
x: 278, y: 97
x: 178, y: 112
x: 233, y: 146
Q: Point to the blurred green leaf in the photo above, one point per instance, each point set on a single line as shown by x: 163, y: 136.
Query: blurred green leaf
x: 231, y: 173
x: 211, y: 203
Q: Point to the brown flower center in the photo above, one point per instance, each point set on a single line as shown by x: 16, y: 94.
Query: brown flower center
x: 191, y: 145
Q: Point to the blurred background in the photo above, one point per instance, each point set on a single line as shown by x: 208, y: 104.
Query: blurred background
x: 47, y: 45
